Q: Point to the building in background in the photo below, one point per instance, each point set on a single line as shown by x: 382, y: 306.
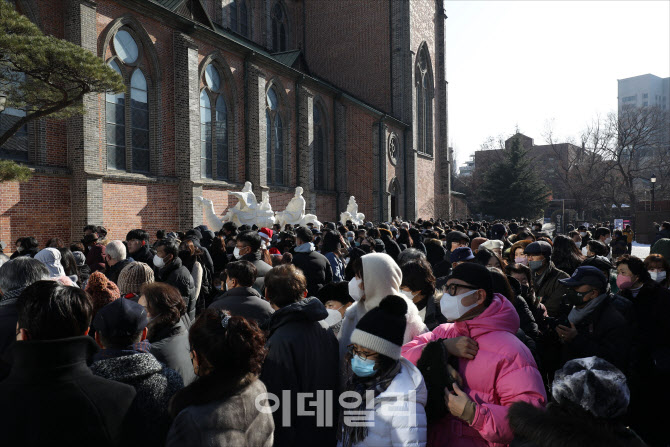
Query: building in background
x: 342, y: 97
x: 468, y: 167
x: 643, y: 91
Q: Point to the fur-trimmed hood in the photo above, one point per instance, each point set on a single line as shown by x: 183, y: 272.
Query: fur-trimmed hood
x: 563, y: 425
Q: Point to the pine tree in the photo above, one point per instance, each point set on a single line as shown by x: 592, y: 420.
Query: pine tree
x: 44, y: 76
x: 512, y: 188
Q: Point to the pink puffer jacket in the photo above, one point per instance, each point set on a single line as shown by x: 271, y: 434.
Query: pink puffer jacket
x: 502, y: 372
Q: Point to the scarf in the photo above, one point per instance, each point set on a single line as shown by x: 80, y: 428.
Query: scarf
x: 307, y: 247
x: 378, y: 383
x: 577, y: 315
x: 136, y: 348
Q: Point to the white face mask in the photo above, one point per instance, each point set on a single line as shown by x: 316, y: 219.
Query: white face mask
x: 409, y: 295
x: 334, y: 317
x: 158, y: 261
x: 608, y: 240
x: 355, y: 290
x: 236, y: 253
x: 452, y: 308
x: 582, y: 233
x: 658, y: 276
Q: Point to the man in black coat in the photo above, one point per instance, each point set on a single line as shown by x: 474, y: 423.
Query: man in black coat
x: 303, y: 357
x: 313, y: 264
x: 240, y: 297
x: 248, y: 248
x: 171, y: 271
x: 138, y: 247
x: 51, y: 397
x: 15, y: 276
x: 596, y: 326
x: 115, y: 256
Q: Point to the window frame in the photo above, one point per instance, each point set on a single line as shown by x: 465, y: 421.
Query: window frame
x: 425, y: 97
x: 279, y: 28
x: 321, y: 127
x: 274, y: 140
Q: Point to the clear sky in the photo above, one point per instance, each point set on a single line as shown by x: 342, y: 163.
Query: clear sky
x: 535, y: 64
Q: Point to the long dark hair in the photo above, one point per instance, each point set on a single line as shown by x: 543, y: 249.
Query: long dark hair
x: 501, y: 285
x: 331, y: 242
x: 69, y: 263
x: 233, y: 346
x: 165, y: 304
x: 565, y: 253
x: 404, y: 237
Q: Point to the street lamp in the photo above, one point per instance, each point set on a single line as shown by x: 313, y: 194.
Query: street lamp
x: 653, y: 187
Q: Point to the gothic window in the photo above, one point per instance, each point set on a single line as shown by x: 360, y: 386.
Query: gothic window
x: 424, y: 102
x: 279, y: 27
x: 320, y: 153
x: 127, y: 122
x: 213, y: 127
x: 239, y: 17
x: 16, y: 148
x: 274, y: 140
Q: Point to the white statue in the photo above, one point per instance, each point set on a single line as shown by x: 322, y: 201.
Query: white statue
x: 352, y: 213
x: 265, y: 217
x: 294, y: 213
x: 244, y: 212
x: 213, y: 222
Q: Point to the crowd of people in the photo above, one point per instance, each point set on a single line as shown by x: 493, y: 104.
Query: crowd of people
x: 427, y: 333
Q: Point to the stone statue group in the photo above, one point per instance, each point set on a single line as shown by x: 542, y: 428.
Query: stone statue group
x: 248, y: 211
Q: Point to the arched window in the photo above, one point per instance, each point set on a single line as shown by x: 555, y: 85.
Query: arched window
x: 320, y: 153
x: 275, y: 139
x: 239, y: 17
x: 16, y: 148
x: 127, y: 113
x: 213, y: 127
x: 116, y: 126
x: 279, y: 27
x: 424, y: 98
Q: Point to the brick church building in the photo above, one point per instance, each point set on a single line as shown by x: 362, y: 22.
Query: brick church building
x: 341, y: 97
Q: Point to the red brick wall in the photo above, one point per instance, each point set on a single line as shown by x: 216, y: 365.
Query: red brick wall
x: 39, y: 207
x: 326, y: 208
x: 361, y: 66
x: 359, y: 159
x: 425, y: 188
x: 127, y: 206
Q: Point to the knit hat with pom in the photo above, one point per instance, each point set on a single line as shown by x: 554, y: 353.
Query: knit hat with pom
x: 382, y: 329
x: 133, y: 277
x: 101, y: 290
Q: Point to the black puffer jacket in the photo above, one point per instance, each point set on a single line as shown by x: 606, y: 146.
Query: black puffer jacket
x: 316, y: 268
x: 154, y: 383
x: 245, y: 302
x: 178, y: 276
x: 170, y: 346
x: 303, y: 357
x: 262, y: 268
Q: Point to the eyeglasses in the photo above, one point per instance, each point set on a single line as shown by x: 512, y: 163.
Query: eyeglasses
x: 351, y: 349
x: 451, y: 289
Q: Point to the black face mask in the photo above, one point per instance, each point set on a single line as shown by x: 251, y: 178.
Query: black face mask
x: 524, y: 290
x: 576, y: 298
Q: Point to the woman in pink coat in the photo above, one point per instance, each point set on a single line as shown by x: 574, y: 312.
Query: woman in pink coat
x: 496, y: 367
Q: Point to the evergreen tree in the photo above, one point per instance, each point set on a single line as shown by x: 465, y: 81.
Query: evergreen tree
x: 44, y: 76
x: 512, y: 188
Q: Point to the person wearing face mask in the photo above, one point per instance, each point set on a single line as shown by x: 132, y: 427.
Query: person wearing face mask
x: 302, y: 357
x: 335, y: 297
x: 418, y: 285
x: 658, y: 268
x: 239, y: 297
x: 585, y: 235
x: 604, y: 235
x: 649, y: 371
x: 392, y: 389
x: 497, y: 368
x: 516, y: 252
x: 376, y: 276
x: 172, y: 271
x: 548, y: 289
x: 596, y: 328
x: 166, y: 330
x: 248, y: 248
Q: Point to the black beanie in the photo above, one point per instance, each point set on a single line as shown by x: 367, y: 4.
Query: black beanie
x: 382, y: 329
x: 474, y: 274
